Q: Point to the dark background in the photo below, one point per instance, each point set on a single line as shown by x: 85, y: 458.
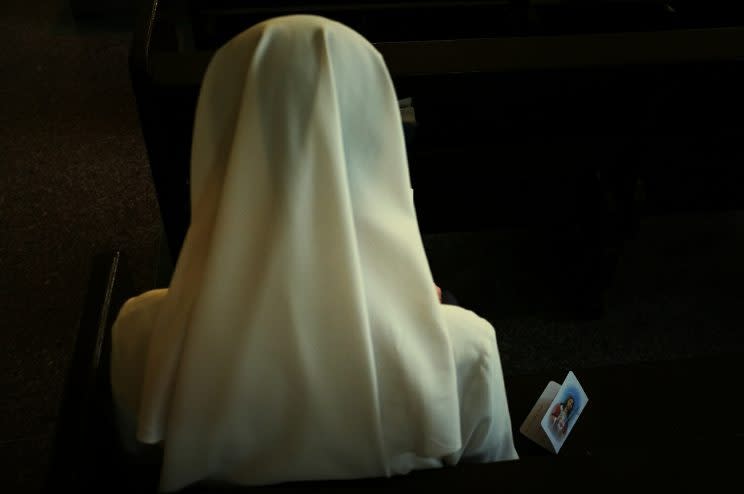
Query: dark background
x: 74, y: 182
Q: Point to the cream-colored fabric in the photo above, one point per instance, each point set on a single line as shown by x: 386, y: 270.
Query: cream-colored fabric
x: 485, y: 425
x: 301, y: 337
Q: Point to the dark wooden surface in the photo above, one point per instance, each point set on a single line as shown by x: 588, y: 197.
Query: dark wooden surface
x: 653, y: 408
x: 668, y: 424
x: 527, y: 112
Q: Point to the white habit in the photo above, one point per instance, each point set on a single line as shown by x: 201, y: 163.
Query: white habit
x: 301, y: 337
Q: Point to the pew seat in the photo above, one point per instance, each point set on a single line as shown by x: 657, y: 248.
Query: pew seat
x: 662, y: 424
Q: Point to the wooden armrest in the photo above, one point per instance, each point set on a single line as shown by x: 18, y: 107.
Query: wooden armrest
x: 78, y: 445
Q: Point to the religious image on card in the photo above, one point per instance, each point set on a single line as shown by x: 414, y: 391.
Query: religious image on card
x: 565, y: 408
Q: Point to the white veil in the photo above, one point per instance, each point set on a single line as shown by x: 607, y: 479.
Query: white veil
x: 301, y: 337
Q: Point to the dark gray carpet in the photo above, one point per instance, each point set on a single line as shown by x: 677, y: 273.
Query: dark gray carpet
x: 74, y: 182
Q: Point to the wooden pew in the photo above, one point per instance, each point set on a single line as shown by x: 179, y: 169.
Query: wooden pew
x: 539, y: 112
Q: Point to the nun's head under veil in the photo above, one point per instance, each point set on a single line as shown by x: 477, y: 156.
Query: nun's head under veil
x: 301, y: 337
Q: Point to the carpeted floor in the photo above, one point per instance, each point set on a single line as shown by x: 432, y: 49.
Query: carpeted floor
x: 74, y: 182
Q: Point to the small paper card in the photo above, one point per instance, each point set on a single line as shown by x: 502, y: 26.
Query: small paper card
x: 531, y: 427
x: 555, y: 413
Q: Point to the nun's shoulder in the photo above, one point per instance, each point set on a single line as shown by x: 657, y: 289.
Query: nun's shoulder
x: 141, y: 305
x: 458, y: 317
x: 469, y: 333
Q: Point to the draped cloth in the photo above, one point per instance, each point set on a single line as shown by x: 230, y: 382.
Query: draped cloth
x: 301, y: 337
